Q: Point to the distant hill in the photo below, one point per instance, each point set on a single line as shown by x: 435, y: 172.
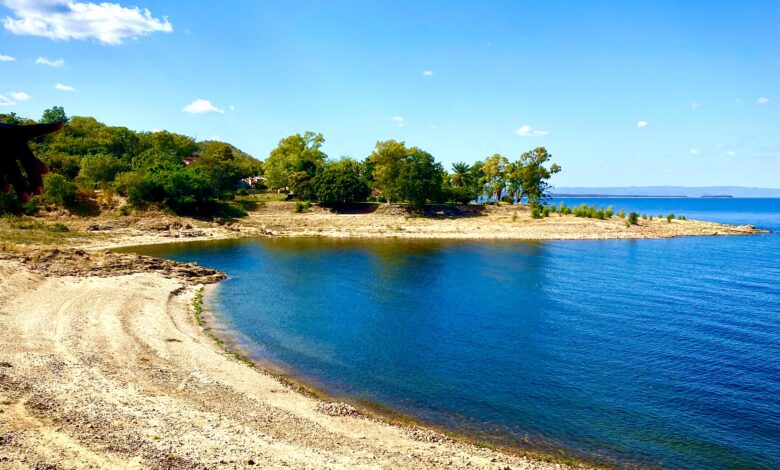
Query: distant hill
x: 669, y: 191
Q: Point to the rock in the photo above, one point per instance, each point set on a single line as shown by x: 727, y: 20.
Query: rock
x: 337, y: 409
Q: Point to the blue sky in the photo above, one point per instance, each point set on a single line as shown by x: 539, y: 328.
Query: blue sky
x: 621, y: 93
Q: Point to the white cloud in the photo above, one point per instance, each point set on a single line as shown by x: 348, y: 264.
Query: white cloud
x: 527, y: 131
x: 738, y: 100
x: 399, y: 120
x: 49, y: 62
x: 201, y: 106
x: 19, y: 96
x: 427, y: 73
x: 695, y: 151
x: 6, y: 58
x: 108, y: 23
x: 695, y: 105
x: 642, y: 124
x: 6, y: 101
x: 762, y: 100
x: 731, y: 153
x: 63, y: 87
x: 232, y: 108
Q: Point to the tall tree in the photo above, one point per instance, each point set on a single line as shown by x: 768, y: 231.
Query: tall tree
x: 294, y: 162
x: 340, y: 182
x: 494, y: 169
x: 421, y: 178
x: 385, y: 164
x: 534, y: 175
x: 461, y: 174
x: 54, y: 114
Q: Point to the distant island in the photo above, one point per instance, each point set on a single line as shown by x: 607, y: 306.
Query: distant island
x: 666, y: 191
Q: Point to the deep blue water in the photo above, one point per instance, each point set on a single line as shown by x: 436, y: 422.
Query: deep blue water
x: 652, y: 352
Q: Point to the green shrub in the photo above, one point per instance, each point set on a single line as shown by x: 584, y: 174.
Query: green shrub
x: 670, y: 217
x: 609, y: 212
x: 302, y: 206
x: 58, y: 228
x: 622, y: 214
x: 546, y: 211
x: 600, y: 214
x: 644, y: 216
x: 660, y: 216
x: 242, y: 192
x: 536, y: 212
x: 59, y: 191
x: 633, y: 218
x: 682, y: 217
x: 10, y: 204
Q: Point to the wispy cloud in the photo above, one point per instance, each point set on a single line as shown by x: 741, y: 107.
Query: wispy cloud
x: 398, y: 120
x: 19, y: 96
x: 427, y: 73
x: 6, y: 58
x: 642, y: 124
x: 63, y: 87
x: 232, y: 107
x: 528, y: 131
x: 108, y: 23
x: 695, y: 151
x: 200, y: 106
x: 49, y: 62
x: 6, y: 101
x: 731, y: 153
x: 762, y: 100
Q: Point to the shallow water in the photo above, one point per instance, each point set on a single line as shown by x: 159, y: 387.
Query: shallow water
x: 654, y: 352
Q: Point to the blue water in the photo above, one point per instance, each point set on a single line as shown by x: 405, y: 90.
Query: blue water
x: 660, y: 353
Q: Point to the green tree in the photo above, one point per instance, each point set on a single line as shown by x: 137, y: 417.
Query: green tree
x: 421, y: 178
x: 494, y: 169
x: 461, y: 175
x: 54, y: 114
x: 384, y: 166
x: 534, y: 175
x: 100, y: 169
x: 340, y: 182
x: 294, y: 162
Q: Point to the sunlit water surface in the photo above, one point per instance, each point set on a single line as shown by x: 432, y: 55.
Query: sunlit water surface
x: 654, y: 352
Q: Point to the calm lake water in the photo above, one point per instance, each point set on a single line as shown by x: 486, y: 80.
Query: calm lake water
x: 661, y: 353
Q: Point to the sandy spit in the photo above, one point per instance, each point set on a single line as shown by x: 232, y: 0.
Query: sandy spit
x: 108, y: 369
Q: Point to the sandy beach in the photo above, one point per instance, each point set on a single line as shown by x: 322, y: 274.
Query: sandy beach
x: 103, y: 364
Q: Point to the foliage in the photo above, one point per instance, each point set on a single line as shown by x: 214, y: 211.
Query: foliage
x: 11, y: 205
x: 495, y: 176
x: 340, y: 182
x: 58, y: 190
x: 294, y: 162
x: 534, y: 174
x: 670, y: 217
x: 633, y: 218
x: 406, y: 174
x: 149, y: 168
x: 302, y: 206
x: 54, y: 114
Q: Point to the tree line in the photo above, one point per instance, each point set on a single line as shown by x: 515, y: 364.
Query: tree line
x: 394, y: 172
x: 176, y: 173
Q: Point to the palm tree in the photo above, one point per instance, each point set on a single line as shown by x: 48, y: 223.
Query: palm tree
x: 461, y: 174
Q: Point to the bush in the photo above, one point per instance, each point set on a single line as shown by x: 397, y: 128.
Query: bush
x: 622, y: 214
x: 242, y: 192
x: 633, y: 218
x: 302, y: 206
x: 536, y: 212
x: 59, y: 191
x: 545, y: 211
x: 670, y: 217
x: 609, y: 212
x: 340, y: 182
x: 600, y: 214
x: 58, y: 228
x: 11, y: 205
x: 644, y: 216
x: 682, y: 217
